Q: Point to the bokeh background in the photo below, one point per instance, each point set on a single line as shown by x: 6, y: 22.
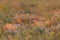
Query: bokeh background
x: 29, y: 19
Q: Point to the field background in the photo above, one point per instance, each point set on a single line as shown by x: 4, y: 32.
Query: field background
x: 34, y: 19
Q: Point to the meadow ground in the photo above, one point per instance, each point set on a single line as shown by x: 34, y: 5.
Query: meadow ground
x: 29, y: 19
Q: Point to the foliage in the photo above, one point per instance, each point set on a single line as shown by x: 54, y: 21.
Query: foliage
x: 27, y: 11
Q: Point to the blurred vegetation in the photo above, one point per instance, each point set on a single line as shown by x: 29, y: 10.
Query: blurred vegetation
x: 30, y: 19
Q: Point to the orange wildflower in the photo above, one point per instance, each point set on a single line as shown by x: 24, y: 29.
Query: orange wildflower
x: 9, y: 27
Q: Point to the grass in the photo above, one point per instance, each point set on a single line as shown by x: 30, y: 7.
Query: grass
x: 41, y: 11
